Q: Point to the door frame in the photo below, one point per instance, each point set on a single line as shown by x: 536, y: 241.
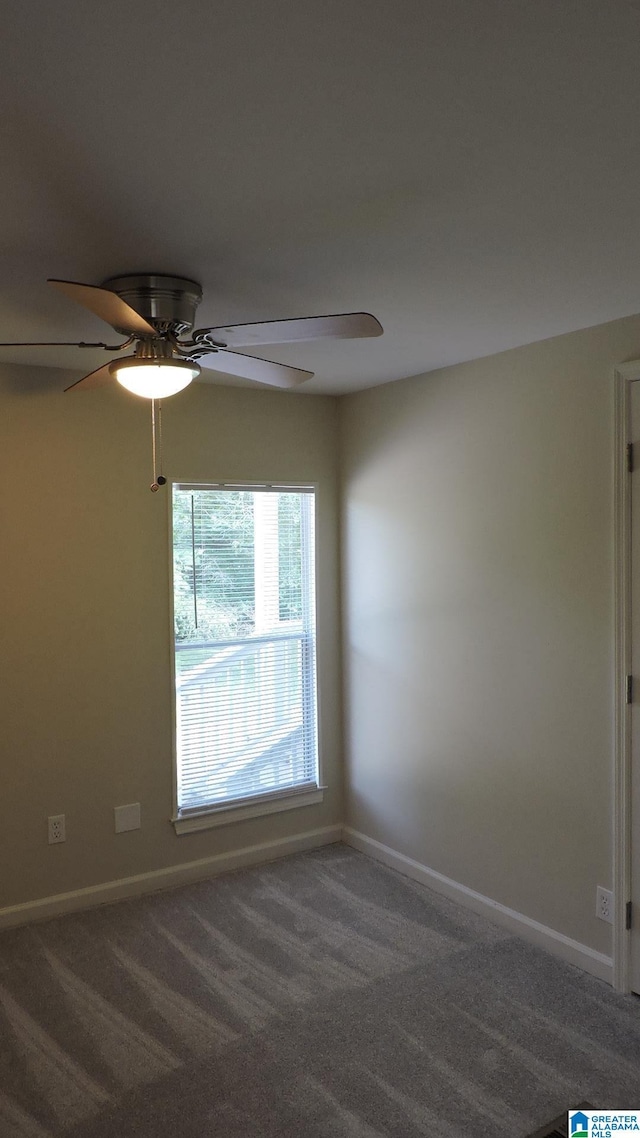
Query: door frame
x: 624, y: 376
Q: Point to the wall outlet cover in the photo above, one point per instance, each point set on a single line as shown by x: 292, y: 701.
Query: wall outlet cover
x: 56, y: 829
x: 127, y: 817
x: 604, y: 904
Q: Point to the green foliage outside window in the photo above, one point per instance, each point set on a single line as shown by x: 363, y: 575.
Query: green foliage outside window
x: 214, y: 586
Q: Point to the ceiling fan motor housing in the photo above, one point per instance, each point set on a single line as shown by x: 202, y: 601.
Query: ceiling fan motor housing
x: 169, y: 303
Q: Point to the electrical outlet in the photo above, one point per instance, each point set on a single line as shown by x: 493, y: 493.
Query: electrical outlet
x: 57, y: 829
x: 604, y: 904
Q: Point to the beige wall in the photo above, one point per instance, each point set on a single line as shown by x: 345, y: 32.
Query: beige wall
x: 85, y: 676
x: 477, y: 609
x: 478, y: 622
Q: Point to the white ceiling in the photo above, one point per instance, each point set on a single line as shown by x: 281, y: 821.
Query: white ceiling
x: 466, y: 170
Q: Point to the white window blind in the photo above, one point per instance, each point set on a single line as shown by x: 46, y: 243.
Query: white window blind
x: 244, y: 614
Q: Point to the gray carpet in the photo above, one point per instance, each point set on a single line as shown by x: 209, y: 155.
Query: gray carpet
x: 322, y: 996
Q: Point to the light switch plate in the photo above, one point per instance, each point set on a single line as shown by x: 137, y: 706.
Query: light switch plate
x: 127, y: 817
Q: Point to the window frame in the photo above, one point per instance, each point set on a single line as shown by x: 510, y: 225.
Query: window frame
x: 275, y: 801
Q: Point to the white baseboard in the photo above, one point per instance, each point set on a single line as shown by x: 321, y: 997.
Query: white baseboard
x: 168, y: 878
x: 563, y: 946
x: 109, y: 891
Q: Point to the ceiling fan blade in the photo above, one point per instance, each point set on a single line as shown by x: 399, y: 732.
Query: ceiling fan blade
x: 107, y: 305
x: 97, y: 378
x: 348, y: 325
x: 251, y: 367
x: 62, y: 344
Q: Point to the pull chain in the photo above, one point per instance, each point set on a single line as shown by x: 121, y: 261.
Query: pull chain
x: 154, y: 484
x: 156, y: 447
x: 161, y: 479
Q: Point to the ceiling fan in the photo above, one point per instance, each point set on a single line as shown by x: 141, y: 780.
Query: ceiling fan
x: 156, y: 314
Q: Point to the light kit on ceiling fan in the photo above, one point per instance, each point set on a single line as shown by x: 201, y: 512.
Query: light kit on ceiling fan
x: 156, y: 314
x: 154, y: 379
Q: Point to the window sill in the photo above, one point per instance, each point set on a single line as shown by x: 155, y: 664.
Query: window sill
x: 223, y: 815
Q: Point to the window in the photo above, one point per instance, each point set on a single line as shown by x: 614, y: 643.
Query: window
x: 244, y: 617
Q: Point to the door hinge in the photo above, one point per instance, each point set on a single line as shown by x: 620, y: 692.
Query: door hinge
x: 628, y: 912
x: 629, y: 689
x: 630, y: 457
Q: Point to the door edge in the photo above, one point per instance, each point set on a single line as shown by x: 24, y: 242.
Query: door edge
x: 624, y: 376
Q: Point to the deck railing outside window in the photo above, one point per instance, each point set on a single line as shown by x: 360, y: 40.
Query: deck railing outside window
x: 245, y: 703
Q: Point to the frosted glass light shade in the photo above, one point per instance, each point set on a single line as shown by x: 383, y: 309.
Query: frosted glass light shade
x: 155, y: 379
